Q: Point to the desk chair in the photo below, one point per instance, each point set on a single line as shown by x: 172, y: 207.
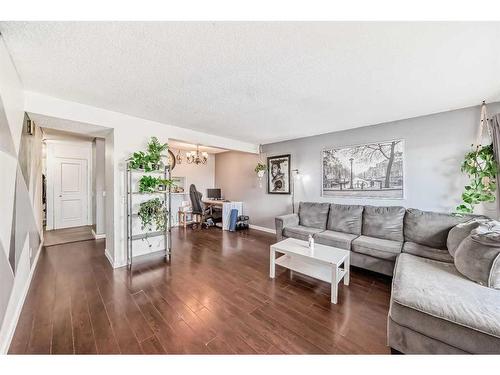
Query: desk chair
x: 200, y: 211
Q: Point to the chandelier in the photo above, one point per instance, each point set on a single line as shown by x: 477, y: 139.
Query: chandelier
x: 195, y: 157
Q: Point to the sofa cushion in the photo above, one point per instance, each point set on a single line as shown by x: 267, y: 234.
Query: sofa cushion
x: 368, y: 262
x: 384, y: 222
x: 460, y: 232
x: 430, y: 228
x: 434, y: 299
x: 335, y: 239
x: 478, y: 256
x: 377, y: 247
x: 427, y: 252
x: 346, y: 218
x: 314, y: 215
x: 300, y: 232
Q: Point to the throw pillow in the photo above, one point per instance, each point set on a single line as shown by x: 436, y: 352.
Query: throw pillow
x: 478, y: 255
x: 461, y: 231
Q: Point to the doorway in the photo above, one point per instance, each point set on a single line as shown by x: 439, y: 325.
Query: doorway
x: 69, y: 178
x: 70, y: 192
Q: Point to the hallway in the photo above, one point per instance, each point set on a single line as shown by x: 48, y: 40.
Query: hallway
x: 67, y: 235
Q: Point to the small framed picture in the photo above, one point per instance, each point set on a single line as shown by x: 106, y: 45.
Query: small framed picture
x: 278, y: 176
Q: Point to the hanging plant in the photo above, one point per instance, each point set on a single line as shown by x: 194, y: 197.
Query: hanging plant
x: 480, y: 166
x: 152, y: 212
x: 260, y: 169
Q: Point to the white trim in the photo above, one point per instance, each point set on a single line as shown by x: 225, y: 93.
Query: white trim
x: 11, y: 328
x: 110, y: 260
x: 98, y: 236
x: 263, y: 229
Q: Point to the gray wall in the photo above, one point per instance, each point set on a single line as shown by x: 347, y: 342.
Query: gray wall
x: 434, y: 148
x: 20, y: 198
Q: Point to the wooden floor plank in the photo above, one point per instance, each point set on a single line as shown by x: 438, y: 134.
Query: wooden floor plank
x: 103, y: 333
x: 215, y: 296
x: 152, y: 346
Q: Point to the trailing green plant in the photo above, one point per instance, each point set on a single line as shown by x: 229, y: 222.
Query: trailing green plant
x: 150, y: 160
x: 480, y: 166
x: 260, y: 167
x: 153, y: 212
x: 150, y: 184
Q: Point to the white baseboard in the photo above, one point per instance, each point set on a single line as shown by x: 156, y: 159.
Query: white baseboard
x: 11, y: 328
x: 263, y: 229
x: 110, y: 260
x: 98, y: 236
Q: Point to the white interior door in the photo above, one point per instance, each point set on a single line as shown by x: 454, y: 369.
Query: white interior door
x: 70, y: 193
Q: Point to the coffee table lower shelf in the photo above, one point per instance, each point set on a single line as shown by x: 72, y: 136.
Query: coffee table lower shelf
x: 324, y: 263
x: 316, y: 270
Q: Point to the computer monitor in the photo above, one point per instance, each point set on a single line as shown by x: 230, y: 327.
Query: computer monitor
x: 214, y: 194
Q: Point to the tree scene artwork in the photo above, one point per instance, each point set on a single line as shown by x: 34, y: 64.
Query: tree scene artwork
x: 373, y: 170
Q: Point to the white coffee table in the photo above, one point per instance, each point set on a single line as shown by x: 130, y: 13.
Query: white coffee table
x: 325, y: 263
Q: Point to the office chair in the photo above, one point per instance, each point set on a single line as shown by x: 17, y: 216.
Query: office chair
x: 199, y: 210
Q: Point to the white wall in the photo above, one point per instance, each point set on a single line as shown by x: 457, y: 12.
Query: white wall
x: 99, y: 186
x: 434, y: 149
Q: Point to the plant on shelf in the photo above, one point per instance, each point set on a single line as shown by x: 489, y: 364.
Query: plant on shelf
x: 155, y: 149
x: 151, y: 212
x: 139, y: 160
x: 481, y: 168
x: 151, y: 184
x: 150, y: 161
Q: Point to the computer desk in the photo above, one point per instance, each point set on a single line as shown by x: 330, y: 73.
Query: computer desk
x: 226, y: 206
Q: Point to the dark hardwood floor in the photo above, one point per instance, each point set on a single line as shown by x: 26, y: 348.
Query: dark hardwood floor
x: 214, y: 297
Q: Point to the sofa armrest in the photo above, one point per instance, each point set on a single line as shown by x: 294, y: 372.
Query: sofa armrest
x: 283, y: 222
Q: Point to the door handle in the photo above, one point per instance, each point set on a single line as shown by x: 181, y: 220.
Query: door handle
x: 60, y: 195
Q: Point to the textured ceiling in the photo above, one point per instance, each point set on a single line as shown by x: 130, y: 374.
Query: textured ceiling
x: 261, y: 82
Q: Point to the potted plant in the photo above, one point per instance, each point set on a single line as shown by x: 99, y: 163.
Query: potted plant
x: 260, y: 169
x: 147, y: 184
x: 150, y: 184
x: 151, y: 160
x: 479, y: 164
x: 153, y: 212
x: 155, y: 149
x: 138, y: 160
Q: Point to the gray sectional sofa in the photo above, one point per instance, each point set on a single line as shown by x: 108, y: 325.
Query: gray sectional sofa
x: 434, y: 308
